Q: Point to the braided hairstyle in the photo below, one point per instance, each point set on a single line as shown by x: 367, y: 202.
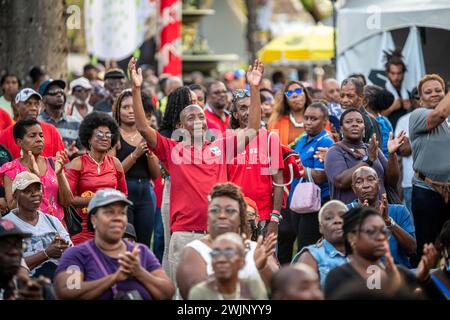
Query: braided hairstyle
x: 179, y: 99
x: 353, y: 220
x: 394, y: 57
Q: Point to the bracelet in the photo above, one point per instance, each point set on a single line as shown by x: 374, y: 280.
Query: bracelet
x: 274, y: 218
x: 277, y: 212
x: 45, y: 252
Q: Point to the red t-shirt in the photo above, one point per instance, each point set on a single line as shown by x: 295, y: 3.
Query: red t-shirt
x: 88, y: 179
x: 52, y: 139
x: 5, y: 119
x: 250, y: 171
x: 214, y: 122
x: 192, y: 176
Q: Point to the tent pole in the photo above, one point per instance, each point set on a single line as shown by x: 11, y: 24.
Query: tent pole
x: 334, y: 60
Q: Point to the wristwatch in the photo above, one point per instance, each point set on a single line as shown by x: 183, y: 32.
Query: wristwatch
x: 391, y: 223
x: 367, y: 160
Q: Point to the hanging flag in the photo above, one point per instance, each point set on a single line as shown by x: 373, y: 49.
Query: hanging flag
x: 170, y: 52
x: 114, y: 29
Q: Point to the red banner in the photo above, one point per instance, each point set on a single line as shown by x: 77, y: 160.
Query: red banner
x: 170, y: 51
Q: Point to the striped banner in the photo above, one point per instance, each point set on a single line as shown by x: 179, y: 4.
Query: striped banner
x: 170, y: 51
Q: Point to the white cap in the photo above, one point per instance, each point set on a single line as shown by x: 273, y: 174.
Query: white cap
x: 80, y: 82
x: 26, y: 94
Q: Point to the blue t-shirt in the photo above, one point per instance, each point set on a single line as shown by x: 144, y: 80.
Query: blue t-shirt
x: 386, y: 128
x: 306, y: 147
x: 404, y: 219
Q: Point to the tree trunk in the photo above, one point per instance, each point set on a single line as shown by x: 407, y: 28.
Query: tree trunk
x: 33, y: 33
x: 251, y: 29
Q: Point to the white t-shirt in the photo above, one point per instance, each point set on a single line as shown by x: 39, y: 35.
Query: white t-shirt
x: 42, y: 234
x: 248, y: 271
x: 407, y: 162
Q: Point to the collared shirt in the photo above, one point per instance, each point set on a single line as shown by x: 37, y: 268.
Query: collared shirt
x: 67, y: 127
x: 326, y: 256
x: 306, y: 147
x: 403, y: 218
x: 214, y: 122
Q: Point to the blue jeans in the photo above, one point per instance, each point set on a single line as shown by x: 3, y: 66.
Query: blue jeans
x: 141, y: 213
x: 407, y: 196
x: 158, y: 238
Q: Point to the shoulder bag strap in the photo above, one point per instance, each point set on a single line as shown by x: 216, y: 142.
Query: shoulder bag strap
x: 100, y: 265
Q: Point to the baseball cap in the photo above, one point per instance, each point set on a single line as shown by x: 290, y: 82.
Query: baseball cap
x: 26, y: 94
x: 47, y: 83
x: 250, y: 202
x: 8, y: 228
x: 23, y: 180
x: 80, y: 82
x: 114, y: 74
x: 130, y: 231
x: 103, y: 198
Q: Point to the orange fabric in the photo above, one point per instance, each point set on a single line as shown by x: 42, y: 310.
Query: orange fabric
x: 283, y: 129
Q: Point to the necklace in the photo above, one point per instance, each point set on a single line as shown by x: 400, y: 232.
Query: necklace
x: 128, y: 136
x: 237, y: 293
x: 294, y: 122
x: 98, y: 164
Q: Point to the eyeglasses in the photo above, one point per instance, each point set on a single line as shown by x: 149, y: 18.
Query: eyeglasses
x: 229, y: 253
x: 55, y: 92
x: 374, y: 233
x: 297, y: 91
x: 102, y: 135
x: 215, y: 211
x: 78, y: 90
x: 267, y: 99
x: 241, y: 93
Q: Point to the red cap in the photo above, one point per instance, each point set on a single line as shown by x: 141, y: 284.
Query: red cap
x: 251, y: 203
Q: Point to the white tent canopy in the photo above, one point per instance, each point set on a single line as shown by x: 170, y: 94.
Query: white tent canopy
x: 355, y: 19
x: 364, y: 32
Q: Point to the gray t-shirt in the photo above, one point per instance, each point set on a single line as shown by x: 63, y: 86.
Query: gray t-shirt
x: 430, y: 149
x: 42, y: 234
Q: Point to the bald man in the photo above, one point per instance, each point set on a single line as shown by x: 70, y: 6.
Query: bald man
x: 398, y: 219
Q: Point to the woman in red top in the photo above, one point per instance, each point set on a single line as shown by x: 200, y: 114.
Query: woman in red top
x: 96, y: 169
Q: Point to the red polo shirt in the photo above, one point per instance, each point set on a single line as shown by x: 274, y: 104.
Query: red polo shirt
x: 193, y: 173
x: 250, y: 171
x: 52, y: 140
x: 213, y: 121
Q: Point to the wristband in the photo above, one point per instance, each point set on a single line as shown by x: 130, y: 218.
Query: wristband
x: 274, y: 218
x: 277, y: 212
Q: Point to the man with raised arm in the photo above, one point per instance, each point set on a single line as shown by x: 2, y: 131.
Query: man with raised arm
x: 195, y: 164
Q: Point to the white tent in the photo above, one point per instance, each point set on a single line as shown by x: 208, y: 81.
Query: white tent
x: 364, y: 31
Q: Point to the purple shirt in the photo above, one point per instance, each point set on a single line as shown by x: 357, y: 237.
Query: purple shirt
x: 338, y: 160
x: 79, y: 256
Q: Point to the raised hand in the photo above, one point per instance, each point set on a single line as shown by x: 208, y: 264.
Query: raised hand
x: 394, y: 144
x: 320, y: 153
x: 61, y: 158
x: 255, y: 73
x: 373, y: 148
x: 264, y: 249
x: 428, y: 261
x: 130, y: 262
x: 136, y: 76
x: 72, y: 149
x: 395, y: 279
x: 384, y: 208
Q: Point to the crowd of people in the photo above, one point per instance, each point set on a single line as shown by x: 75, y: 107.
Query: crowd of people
x: 122, y: 185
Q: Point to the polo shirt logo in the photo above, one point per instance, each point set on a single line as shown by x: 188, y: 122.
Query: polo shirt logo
x: 216, y: 151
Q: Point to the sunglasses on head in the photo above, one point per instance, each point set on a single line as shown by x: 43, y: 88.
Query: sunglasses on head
x: 55, y: 92
x: 289, y: 93
x: 240, y: 94
x: 76, y: 90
